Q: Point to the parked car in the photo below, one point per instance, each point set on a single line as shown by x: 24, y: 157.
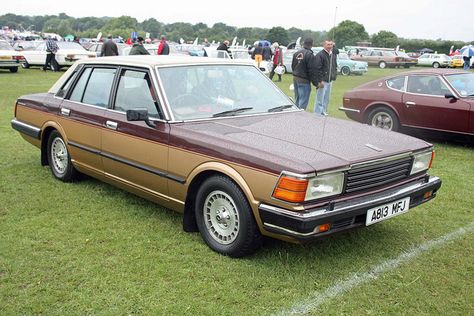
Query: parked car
x: 26, y: 45
x: 9, y: 58
x: 241, y: 55
x: 436, y: 100
x: 68, y: 53
x: 97, y: 48
x: 435, y: 60
x: 218, y: 141
x: 407, y: 59
x: 457, y: 61
x: 381, y: 58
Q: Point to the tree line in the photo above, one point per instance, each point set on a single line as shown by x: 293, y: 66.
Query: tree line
x: 345, y: 33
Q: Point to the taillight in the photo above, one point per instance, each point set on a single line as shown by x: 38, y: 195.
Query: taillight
x: 18, y: 58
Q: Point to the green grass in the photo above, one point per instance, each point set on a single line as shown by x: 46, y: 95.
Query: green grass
x: 89, y: 248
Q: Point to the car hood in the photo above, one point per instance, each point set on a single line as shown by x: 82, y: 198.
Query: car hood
x: 299, y: 141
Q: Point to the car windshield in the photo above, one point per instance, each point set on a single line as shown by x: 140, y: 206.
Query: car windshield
x: 343, y: 56
x: 69, y: 45
x: 463, y: 83
x: 205, y: 91
x: 5, y: 46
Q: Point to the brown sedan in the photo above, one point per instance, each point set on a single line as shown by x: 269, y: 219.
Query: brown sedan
x: 384, y: 58
x: 440, y: 100
x: 219, y: 142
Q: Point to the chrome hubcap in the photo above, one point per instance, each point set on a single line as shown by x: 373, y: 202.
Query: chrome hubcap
x: 382, y: 120
x: 221, y: 217
x: 59, y: 155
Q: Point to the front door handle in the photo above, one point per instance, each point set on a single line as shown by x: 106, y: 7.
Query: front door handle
x: 65, y: 112
x: 409, y: 103
x: 111, y: 125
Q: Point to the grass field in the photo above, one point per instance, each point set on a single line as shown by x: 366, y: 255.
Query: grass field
x: 89, y: 248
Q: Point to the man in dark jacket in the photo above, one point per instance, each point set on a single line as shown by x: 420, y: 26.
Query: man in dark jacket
x: 225, y: 46
x: 51, y: 49
x: 326, y: 70
x: 138, y: 48
x: 304, y: 73
x: 109, y: 48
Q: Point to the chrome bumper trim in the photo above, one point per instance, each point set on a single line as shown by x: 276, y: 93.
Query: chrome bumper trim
x: 348, y: 110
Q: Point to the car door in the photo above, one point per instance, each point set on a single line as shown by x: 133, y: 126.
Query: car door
x: 83, y: 112
x: 36, y: 56
x: 423, y: 60
x: 135, y: 153
x: 426, y: 106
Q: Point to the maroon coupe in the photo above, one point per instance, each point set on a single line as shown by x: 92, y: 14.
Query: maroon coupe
x: 438, y: 99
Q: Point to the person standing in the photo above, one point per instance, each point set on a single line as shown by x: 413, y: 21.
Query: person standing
x: 51, y: 50
x: 326, y: 69
x: 109, y: 48
x: 163, y: 47
x: 466, y: 60
x: 304, y: 73
x: 267, y: 52
x: 225, y: 46
x: 138, y: 48
x: 277, y: 60
x: 257, y: 53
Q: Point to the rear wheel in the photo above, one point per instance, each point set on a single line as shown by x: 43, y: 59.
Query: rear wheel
x: 436, y: 65
x: 14, y: 69
x: 382, y: 65
x: 225, y: 219
x: 384, y: 118
x: 59, y: 159
x: 345, y: 71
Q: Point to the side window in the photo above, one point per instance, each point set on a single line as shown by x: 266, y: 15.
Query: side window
x: 94, y: 86
x: 397, y: 83
x: 429, y: 85
x: 62, y: 92
x: 135, y: 91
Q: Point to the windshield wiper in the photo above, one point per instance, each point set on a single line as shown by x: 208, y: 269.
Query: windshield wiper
x: 280, y: 108
x: 232, y: 112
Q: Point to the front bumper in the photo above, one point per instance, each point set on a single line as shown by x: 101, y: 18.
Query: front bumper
x: 344, y: 214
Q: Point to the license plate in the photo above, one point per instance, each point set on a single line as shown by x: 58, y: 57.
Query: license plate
x: 383, y: 212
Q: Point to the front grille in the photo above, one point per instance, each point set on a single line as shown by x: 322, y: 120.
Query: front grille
x: 370, y: 176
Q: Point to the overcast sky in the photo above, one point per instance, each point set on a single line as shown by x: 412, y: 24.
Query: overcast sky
x: 406, y: 18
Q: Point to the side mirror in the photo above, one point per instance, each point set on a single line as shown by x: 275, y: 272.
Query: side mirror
x: 450, y: 96
x: 135, y: 115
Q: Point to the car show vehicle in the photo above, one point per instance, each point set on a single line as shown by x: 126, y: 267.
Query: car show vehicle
x: 68, y: 53
x: 437, y: 100
x: 435, y: 60
x: 408, y: 60
x: 9, y: 58
x: 381, y: 58
x: 457, y: 61
x: 216, y: 140
x: 347, y: 66
x: 96, y: 47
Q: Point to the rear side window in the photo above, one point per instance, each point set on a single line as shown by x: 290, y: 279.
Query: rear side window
x: 94, y: 86
x: 397, y: 83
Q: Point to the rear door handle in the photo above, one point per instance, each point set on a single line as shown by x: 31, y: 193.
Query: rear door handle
x: 409, y: 103
x: 111, y: 125
x: 65, y: 112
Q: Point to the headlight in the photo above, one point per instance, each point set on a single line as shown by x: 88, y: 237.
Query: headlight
x: 295, y: 188
x: 325, y: 185
x: 422, y: 161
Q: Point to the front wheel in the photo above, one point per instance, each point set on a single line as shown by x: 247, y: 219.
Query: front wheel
x: 225, y: 219
x: 382, y: 65
x: 59, y: 159
x: 436, y: 65
x: 14, y: 69
x: 384, y: 118
x: 345, y: 71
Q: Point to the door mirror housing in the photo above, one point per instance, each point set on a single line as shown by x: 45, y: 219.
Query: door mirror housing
x: 450, y: 96
x: 135, y: 115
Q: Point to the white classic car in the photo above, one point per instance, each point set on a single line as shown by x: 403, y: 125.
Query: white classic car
x: 68, y: 53
x: 435, y: 60
x: 9, y: 58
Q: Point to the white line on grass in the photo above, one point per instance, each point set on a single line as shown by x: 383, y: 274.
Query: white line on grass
x: 317, y: 298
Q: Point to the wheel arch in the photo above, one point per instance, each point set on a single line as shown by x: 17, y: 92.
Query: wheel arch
x: 198, y: 176
x: 46, y: 130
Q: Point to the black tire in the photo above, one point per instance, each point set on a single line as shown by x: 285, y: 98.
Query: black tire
x: 382, y: 65
x: 345, y: 71
x: 59, y: 159
x: 25, y: 65
x: 383, y: 117
x: 225, y: 219
x: 14, y: 69
x: 436, y: 65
